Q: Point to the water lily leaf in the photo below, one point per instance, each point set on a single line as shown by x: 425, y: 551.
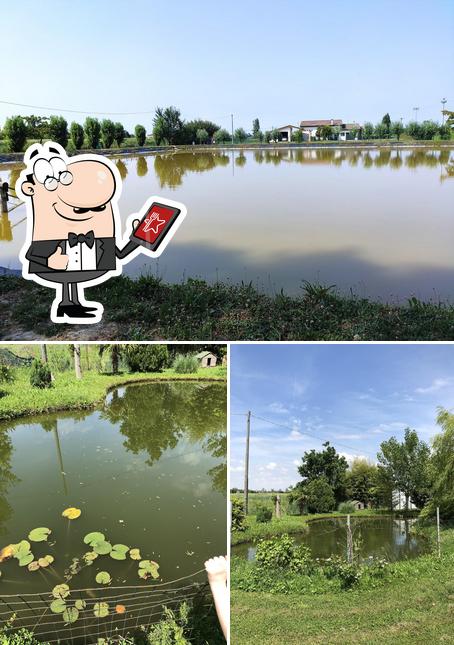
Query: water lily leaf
x: 70, y: 615
x: 21, y: 549
x: 148, y: 568
x: 26, y: 559
x: 58, y: 606
x: 43, y: 562
x: 103, y: 578
x: 49, y: 558
x: 33, y: 566
x: 101, y: 609
x: 72, y: 513
x: 119, y: 551
x: 40, y: 534
x: 134, y: 554
x: 120, y: 609
x: 60, y: 591
x: 90, y: 556
x: 102, y: 548
x: 94, y: 537
x: 80, y: 604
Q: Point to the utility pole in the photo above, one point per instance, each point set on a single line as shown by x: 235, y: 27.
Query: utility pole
x: 246, y: 463
x: 349, y: 541
x: 232, y: 129
x: 443, y: 103
x: 438, y: 532
x: 415, y: 110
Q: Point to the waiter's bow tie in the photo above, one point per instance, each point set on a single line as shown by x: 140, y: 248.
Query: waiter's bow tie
x: 74, y: 239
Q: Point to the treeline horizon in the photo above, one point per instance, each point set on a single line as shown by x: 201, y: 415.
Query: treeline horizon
x: 169, y: 128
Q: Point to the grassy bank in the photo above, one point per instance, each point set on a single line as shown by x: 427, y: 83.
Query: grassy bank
x: 413, y: 603
x: 19, y: 399
x: 149, y: 309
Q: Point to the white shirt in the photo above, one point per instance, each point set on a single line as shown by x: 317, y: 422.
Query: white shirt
x: 81, y: 257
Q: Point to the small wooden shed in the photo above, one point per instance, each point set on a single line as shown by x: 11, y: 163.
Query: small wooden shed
x: 359, y: 506
x: 206, y: 359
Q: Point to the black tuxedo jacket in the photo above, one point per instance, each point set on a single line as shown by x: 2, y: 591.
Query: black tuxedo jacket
x: 106, y: 253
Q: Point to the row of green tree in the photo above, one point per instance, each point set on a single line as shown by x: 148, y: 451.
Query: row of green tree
x: 424, y: 475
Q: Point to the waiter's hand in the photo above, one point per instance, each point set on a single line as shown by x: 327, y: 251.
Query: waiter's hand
x: 58, y: 260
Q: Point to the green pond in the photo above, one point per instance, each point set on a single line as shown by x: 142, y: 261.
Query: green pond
x: 377, y: 221
x: 147, y: 469
x: 384, y: 537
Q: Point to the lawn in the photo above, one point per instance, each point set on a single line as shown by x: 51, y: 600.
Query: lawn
x: 18, y: 398
x: 150, y: 309
x: 414, y: 604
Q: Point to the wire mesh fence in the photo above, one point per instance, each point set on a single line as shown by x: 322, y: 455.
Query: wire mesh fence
x: 109, y: 614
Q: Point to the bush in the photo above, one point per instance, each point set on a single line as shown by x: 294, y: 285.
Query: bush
x: 58, y: 130
x: 19, y: 637
x: 146, y: 358
x: 92, y: 129
x: 263, y: 514
x: 6, y: 374
x: 238, y: 515
x: 348, y: 573
x: 282, y: 552
x: 15, y: 132
x: 120, y: 133
x: 77, y: 135
x: 140, y: 133
x: 40, y: 375
x: 319, y: 496
x: 346, y: 507
x: 171, y: 629
x: 185, y: 364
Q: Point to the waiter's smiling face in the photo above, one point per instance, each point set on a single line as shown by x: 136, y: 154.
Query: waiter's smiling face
x: 74, y: 197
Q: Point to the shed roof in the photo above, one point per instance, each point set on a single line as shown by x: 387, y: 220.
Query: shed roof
x: 203, y: 354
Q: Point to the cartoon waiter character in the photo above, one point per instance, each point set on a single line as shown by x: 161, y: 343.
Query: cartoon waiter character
x: 73, y: 227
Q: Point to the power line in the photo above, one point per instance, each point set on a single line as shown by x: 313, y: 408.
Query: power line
x: 50, y: 109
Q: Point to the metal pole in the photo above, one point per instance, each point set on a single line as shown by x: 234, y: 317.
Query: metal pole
x: 349, y: 541
x: 415, y: 109
x: 246, y: 464
x: 438, y: 532
x: 232, y: 129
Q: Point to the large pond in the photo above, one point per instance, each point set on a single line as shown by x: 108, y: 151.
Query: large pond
x: 147, y: 469
x: 378, y: 222
x: 384, y: 537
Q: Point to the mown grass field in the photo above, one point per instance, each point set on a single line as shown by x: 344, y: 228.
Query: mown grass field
x: 150, y: 309
x: 19, y: 398
x: 414, y: 604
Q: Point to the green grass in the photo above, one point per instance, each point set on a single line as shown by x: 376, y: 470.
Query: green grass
x: 19, y: 399
x: 147, y: 309
x: 413, y: 604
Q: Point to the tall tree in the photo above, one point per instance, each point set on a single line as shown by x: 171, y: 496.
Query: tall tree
x: 167, y: 125
x: 116, y: 351
x: 77, y: 135
x: 58, y: 130
x: 406, y: 465
x: 441, y: 467
x: 92, y: 129
x: 107, y: 132
x: 77, y: 367
x: 255, y: 128
x: 387, y: 122
x: 141, y: 134
x: 326, y: 463
x: 37, y: 127
x: 120, y: 133
x: 15, y: 132
x: 361, y: 481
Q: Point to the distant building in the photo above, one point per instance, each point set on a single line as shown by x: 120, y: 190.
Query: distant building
x: 359, y: 506
x: 286, y: 131
x: 398, y: 501
x: 340, y: 131
x: 206, y: 359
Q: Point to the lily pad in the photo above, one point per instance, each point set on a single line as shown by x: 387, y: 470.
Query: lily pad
x: 70, y: 615
x: 49, y: 558
x: 21, y: 549
x: 102, y: 548
x: 33, y: 566
x: 148, y: 568
x: 58, y: 606
x: 72, y: 513
x: 43, y: 562
x: 80, y: 604
x: 119, y: 551
x: 26, y: 559
x: 40, y: 534
x: 60, y: 591
x: 134, y: 554
x: 103, y: 578
x: 120, y: 609
x: 92, y: 538
x: 90, y: 556
x: 101, y: 609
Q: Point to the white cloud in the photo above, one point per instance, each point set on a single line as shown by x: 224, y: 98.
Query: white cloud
x: 278, y: 408
x: 437, y: 384
x: 271, y: 465
x: 347, y: 436
x: 295, y: 435
x: 299, y: 388
x: 351, y: 457
x: 297, y: 462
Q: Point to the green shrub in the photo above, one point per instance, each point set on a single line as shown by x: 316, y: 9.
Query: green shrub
x: 146, y: 358
x: 40, y: 375
x: 346, y: 507
x: 58, y: 130
x: 171, y: 629
x: 77, y: 135
x: 282, y: 552
x: 15, y: 133
x: 263, y: 514
x: 19, y: 637
x: 6, y: 374
x: 348, y: 573
x: 141, y: 134
x: 238, y: 515
x: 185, y: 364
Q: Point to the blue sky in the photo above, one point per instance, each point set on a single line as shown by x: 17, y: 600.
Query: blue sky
x: 281, y: 61
x: 354, y: 396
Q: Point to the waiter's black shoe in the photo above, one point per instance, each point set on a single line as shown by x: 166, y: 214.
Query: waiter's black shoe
x: 75, y: 311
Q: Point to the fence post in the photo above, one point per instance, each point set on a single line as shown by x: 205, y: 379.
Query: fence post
x: 349, y: 541
x: 438, y: 532
x: 278, y: 506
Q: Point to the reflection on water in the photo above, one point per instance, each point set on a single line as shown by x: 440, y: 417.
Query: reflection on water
x: 148, y: 469
x: 375, y: 221
x: 385, y: 537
